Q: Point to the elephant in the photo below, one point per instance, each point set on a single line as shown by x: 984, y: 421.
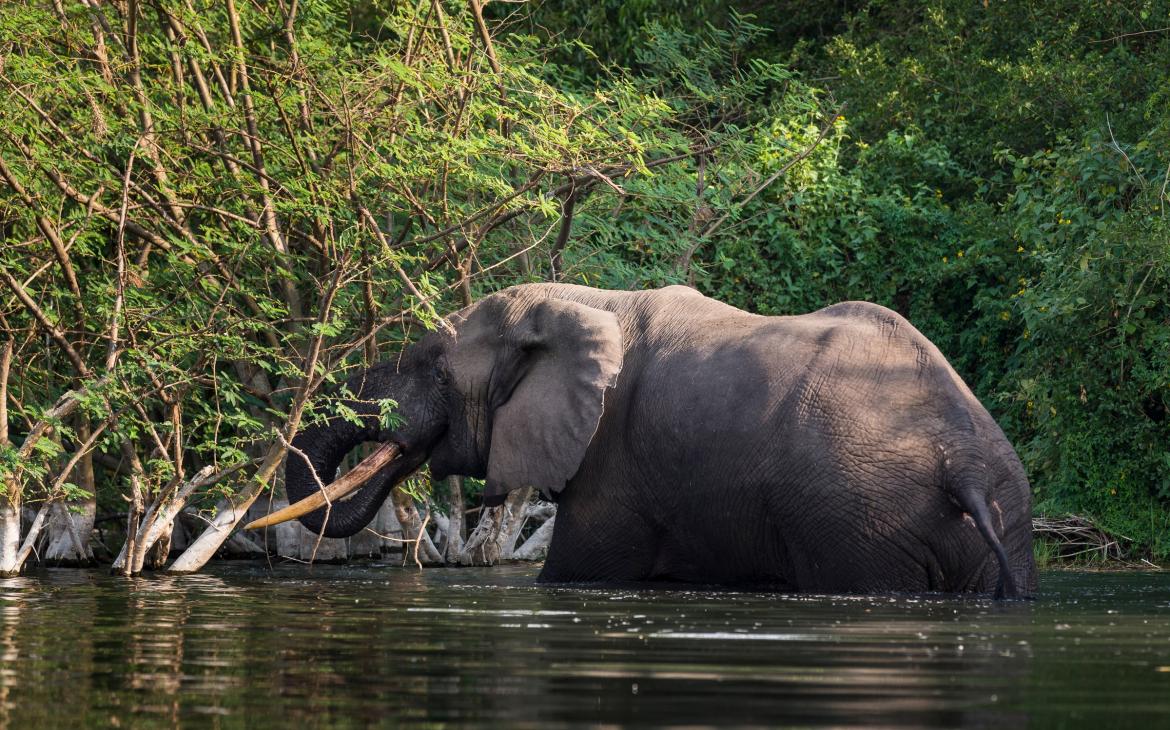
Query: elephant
x: 688, y: 441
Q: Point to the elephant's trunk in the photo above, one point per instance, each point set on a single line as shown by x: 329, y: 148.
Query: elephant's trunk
x: 324, y: 447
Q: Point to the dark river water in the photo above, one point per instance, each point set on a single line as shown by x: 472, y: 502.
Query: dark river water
x: 361, y: 646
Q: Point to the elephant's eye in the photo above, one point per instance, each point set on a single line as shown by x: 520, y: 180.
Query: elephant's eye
x: 439, y: 372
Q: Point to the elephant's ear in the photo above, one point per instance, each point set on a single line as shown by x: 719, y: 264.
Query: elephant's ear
x: 559, y: 358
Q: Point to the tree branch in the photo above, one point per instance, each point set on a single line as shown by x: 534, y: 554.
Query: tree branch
x: 685, y: 260
x: 43, y: 319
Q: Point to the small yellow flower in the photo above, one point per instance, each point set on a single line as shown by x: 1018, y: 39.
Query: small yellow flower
x: 1005, y: 315
x: 945, y: 259
x: 959, y: 254
x: 1020, y: 249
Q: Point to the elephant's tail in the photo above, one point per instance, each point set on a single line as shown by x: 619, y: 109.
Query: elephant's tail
x: 967, y: 479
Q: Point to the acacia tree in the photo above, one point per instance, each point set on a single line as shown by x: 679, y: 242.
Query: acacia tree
x: 211, y: 210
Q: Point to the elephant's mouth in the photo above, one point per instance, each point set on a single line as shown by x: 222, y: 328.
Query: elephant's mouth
x: 340, y: 488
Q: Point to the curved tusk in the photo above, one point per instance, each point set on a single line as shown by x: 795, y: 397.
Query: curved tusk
x: 346, y: 484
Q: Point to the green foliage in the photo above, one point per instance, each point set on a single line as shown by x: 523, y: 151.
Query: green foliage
x: 207, y: 229
x: 1000, y: 178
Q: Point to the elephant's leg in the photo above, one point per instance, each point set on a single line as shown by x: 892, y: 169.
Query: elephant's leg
x: 598, y: 540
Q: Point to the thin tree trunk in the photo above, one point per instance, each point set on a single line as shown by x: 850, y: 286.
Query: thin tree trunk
x: 455, y: 522
x: 515, y: 513
x: 536, y: 546
x: 228, y: 514
x: 10, y: 500
x: 481, y: 547
x: 71, y: 523
x: 13, y: 552
x: 497, y: 529
x: 9, y: 536
x: 161, y: 550
x: 134, y: 511
x: 412, y: 530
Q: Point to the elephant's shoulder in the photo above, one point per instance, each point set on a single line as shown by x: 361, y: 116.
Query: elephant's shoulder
x: 867, y: 311
x: 866, y: 316
x: 849, y: 323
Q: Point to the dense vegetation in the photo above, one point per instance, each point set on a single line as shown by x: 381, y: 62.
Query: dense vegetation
x: 210, y: 210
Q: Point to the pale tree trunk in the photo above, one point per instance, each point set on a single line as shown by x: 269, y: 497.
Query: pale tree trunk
x: 188, y: 523
x: 10, y: 499
x: 161, y: 550
x: 228, y: 515
x: 70, y: 526
x: 536, y: 546
x: 481, y: 547
x: 9, y: 536
x: 515, y: 513
x: 71, y: 523
x: 314, y: 548
x: 381, y: 537
x: 413, y: 529
x: 455, y: 521
x: 13, y: 551
x: 497, y: 529
x: 125, y: 561
x: 154, y: 525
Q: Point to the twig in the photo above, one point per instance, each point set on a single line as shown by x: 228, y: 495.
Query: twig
x: 1128, y: 161
x: 320, y: 485
x: 1130, y: 35
x: 422, y: 530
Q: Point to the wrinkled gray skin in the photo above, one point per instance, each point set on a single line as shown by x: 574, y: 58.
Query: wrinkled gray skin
x: 686, y: 440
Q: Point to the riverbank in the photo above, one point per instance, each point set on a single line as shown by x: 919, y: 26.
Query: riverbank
x: 1075, y: 542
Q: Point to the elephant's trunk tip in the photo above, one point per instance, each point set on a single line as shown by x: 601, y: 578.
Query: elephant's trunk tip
x: 343, y: 486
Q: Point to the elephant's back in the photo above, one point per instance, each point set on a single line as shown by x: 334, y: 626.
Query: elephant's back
x: 864, y: 357
x: 902, y: 425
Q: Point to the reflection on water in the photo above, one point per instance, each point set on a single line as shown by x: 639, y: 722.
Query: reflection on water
x: 355, y: 646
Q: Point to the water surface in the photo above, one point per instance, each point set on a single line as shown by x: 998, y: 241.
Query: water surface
x: 349, y: 646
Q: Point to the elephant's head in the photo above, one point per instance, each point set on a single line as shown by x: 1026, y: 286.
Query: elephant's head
x: 512, y: 392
